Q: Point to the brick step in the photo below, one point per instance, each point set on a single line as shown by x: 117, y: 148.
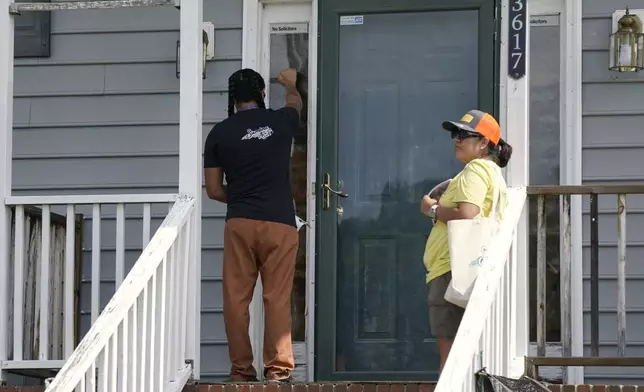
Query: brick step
x: 349, y: 387
x: 382, y: 387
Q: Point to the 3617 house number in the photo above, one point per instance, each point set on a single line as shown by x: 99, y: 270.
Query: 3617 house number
x: 517, y: 39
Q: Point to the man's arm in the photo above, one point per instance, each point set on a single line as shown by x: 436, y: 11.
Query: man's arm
x: 214, y: 174
x: 215, y: 187
x: 288, y: 79
x: 293, y: 98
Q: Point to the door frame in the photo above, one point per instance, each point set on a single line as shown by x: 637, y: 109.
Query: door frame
x: 488, y: 74
x: 255, y: 55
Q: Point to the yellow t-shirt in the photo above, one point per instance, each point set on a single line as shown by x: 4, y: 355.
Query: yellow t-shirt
x: 475, y: 185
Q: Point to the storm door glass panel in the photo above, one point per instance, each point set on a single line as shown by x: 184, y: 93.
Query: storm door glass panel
x: 544, y: 161
x: 289, y: 48
x: 401, y: 75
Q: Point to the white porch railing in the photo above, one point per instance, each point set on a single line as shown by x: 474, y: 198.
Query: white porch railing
x: 139, y: 342
x: 45, y: 313
x: 485, y: 337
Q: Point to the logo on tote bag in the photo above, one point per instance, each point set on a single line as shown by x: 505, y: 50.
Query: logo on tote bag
x: 478, y: 262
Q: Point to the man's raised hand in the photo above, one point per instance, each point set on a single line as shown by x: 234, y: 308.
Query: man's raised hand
x: 287, y: 77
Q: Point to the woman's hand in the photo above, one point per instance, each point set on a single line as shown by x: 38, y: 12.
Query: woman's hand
x: 426, y: 204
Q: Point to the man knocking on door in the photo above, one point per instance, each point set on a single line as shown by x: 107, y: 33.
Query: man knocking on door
x: 252, y: 148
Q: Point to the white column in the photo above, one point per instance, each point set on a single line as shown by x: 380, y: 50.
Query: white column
x: 6, y: 130
x: 190, y: 154
x: 515, y: 101
x: 251, y: 50
x: 571, y: 165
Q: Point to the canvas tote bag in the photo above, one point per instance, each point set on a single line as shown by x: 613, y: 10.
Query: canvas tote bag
x: 467, y: 241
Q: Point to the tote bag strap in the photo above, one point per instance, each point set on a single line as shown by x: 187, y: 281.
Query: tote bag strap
x: 496, y: 189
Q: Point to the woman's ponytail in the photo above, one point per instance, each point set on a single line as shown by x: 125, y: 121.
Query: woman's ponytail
x: 503, y: 152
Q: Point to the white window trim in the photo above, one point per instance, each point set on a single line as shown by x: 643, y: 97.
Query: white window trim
x: 253, y: 34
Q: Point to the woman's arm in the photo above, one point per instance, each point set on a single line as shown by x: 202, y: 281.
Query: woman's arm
x: 445, y: 214
x: 470, y: 189
x: 461, y: 211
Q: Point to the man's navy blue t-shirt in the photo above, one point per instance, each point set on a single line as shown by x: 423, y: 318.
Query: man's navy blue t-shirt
x: 253, y: 148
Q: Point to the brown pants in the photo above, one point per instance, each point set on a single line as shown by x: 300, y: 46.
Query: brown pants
x: 253, y: 247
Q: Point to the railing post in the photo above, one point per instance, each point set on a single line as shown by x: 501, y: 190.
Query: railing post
x: 6, y: 131
x: 190, y: 158
x: 565, y: 281
x: 541, y: 276
x: 621, y: 275
x: 594, y: 274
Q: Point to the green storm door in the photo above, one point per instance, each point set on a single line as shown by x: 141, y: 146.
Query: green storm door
x: 389, y: 73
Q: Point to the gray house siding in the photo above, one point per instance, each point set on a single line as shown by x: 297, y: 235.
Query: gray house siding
x: 101, y: 116
x: 613, y: 150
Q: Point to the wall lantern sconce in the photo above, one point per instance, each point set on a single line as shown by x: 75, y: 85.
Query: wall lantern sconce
x: 208, y: 39
x: 627, y: 44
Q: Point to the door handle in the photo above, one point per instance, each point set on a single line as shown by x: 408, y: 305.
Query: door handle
x: 327, y: 190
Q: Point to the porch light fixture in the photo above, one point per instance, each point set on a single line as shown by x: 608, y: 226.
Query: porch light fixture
x: 205, y: 56
x: 626, y: 45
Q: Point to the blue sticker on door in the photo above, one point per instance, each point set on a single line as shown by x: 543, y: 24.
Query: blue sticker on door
x: 351, y: 20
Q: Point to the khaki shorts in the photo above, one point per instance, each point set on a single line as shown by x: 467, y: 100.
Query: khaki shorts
x: 444, y: 317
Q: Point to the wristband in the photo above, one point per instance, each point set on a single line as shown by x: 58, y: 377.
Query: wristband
x: 432, y: 212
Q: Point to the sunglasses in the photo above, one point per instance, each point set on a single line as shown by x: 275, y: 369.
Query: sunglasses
x: 461, y: 135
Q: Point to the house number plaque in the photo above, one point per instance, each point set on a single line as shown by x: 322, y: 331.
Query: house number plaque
x: 517, y: 38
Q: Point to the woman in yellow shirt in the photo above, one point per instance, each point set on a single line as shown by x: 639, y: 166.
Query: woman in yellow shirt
x: 478, y: 144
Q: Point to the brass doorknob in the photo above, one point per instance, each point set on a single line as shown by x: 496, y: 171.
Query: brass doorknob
x: 327, y: 191
x: 337, y: 193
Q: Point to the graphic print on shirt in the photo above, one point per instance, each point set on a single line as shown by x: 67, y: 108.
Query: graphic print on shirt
x: 261, y: 133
